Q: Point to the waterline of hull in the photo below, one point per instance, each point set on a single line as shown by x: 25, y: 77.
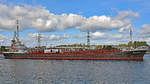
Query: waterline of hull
x: 79, y: 58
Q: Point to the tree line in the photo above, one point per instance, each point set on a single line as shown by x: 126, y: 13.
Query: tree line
x: 134, y: 44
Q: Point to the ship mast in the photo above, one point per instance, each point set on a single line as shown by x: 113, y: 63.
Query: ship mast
x: 17, y: 31
x: 88, y: 39
x: 131, y: 39
x: 131, y: 35
x: 39, y: 40
x: 15, y: 41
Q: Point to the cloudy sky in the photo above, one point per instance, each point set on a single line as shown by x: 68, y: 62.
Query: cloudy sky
x: 67, y: 21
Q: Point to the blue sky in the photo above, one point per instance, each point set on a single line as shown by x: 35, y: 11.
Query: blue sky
x: 87, y: 9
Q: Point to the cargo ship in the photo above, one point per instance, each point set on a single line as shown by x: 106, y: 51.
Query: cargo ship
x: 20, y: 51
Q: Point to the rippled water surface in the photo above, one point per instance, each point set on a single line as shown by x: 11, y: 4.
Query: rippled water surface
x: 74, y: 71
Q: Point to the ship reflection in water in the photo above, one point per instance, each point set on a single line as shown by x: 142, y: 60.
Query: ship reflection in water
x: 22, y: 71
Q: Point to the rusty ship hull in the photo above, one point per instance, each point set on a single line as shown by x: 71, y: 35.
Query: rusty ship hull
x: 80, y: 55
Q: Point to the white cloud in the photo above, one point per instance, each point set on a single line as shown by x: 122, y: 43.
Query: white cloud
x: 147, y: 40
x: 126, y: 14
x: 33, y: 35
x: 69, y: 21
x: 49, y: 37
x: 79, y: 36
x: 99, y: 35
x: 145, y: 29
x: 100, y: 23
x: 31, y: 39
x: 2, y: 37
x: 105, y: 23
x: 41, y: 19
x: 56, y: 37
x: 125, y: 29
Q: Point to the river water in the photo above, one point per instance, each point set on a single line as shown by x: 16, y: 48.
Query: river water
x: 23, y: 71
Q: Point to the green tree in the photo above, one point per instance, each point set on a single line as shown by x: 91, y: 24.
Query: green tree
x: 123, y: 45
x: 130, y: 44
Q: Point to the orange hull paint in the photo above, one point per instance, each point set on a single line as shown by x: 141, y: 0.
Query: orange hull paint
x: 78, y: 53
